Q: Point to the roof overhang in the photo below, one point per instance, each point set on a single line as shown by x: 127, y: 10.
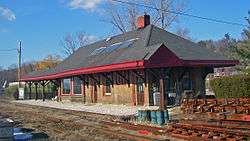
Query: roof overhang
x: 131, y: 65
x: 88, y: 70
x: 163, y: 57
x: 214, y: 63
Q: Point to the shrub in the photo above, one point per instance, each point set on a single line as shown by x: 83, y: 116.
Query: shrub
x: 231, y: 87
x: 12, y: 91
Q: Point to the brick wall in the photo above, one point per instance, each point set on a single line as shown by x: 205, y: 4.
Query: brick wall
x: 124, y: 93
x: 121, y: 93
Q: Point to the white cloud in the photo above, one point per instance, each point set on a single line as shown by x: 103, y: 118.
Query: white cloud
x: 85, y: 4
x: 92, y: 38
x: 7, y: 14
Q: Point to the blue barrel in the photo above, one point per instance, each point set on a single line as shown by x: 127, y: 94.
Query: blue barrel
x: 139, y: 116
x: 148, y: 115
x: 144, y: 115
x: 160, y: 117
x: 153, y: 117
x: 166, y: 116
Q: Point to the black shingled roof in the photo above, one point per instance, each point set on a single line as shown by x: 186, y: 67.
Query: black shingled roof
x: 149, y: 40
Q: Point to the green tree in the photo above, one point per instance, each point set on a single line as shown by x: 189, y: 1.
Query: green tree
x: 243, y: 46
x: 224, y: 46
x: 231, y: 48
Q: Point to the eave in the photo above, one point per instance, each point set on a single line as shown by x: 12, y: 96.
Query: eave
x: 88, y: 70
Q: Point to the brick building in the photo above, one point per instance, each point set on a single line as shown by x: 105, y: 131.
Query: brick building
x: 133, y: 68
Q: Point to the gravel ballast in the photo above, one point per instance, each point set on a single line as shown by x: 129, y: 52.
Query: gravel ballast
x: 109, y: 109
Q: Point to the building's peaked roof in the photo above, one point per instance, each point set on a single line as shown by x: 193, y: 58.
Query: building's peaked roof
x: 137, y: 45
x: 183, y: 48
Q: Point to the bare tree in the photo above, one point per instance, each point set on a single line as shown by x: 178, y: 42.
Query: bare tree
x: 9, y: 74
x: 27, y: 67
x: 12, y: 66
x: 183, y: 32
x: 71, y: 42
x: 123, y: 17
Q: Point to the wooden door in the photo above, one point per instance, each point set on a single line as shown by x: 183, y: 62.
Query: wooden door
x: 140, y: 91
x: 140, y: 98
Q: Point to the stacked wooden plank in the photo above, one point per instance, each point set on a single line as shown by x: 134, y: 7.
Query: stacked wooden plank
x: 230, y: 109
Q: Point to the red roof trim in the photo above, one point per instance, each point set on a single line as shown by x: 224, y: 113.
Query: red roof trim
x: 132, y: 65
x: 192, y: 63
x: 162, y: 58
x: 210, y: 62
x: 89, y: 70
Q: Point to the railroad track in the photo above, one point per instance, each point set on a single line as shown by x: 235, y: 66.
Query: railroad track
x: 110, y: 126
x: 90, y: 121
x: 104, y: 128
x: 202, y: 132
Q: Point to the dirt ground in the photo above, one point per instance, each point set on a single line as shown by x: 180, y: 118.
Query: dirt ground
x: 69, y: 125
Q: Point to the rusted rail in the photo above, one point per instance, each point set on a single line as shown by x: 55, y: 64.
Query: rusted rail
x: 79, y: 120
x: 204, y: 132
x: 197, y: 129
x: 227, y: 119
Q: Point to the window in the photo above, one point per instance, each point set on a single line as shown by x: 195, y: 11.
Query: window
x: 107, y: 87
x: 113, y: 47
x: 127, y: 43
x: 77, y: 86
x: 120, y: 45
x: 98, y: 51
x: 139, y: 85
x: 66, y: 86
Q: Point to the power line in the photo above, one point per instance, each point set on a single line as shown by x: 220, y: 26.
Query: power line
x: 182, y: 13
x: 6, y: 50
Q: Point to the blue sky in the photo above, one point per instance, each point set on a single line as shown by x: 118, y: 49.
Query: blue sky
x: 41, y: 24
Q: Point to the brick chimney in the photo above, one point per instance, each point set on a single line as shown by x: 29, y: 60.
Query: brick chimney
x: 143, y: 21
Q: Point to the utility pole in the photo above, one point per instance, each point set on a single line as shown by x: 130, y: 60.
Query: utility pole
x: 19, y: 50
